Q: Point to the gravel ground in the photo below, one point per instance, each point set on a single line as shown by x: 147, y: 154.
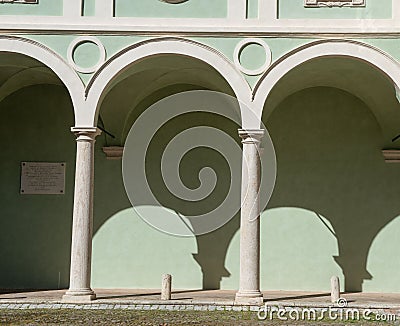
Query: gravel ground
x: 157, y: 318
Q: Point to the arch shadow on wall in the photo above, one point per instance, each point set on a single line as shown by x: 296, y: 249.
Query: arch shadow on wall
x: 157, y: 77
x: 328, y: 146
x: 331, y: 107
x: 331, y: 176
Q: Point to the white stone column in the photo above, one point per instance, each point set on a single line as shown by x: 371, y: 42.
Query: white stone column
x: 82, y: 228
x: 249, y: 287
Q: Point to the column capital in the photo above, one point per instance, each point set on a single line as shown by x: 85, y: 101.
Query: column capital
x: 251, y: 136
x: 86, y: 133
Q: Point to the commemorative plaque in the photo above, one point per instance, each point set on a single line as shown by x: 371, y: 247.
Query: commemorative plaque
x: 41, y: 178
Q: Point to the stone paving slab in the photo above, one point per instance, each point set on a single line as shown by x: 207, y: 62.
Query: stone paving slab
x: 199, y: 300
x: 173, y: 307
x: 168, y: 307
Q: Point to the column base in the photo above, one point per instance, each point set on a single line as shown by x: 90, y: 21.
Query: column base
x: 80, y: 296
x: 249, y: 298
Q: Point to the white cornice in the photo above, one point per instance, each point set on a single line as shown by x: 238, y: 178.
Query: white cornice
x: 236, y: 23
x: 162, y: 26
x: 226, y: 32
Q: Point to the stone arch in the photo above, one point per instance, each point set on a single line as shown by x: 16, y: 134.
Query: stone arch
x: 52, y: 60
x: 96, y: 89
x: 327, y: 48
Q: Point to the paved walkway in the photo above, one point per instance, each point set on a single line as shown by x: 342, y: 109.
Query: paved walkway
x: 192, y: 300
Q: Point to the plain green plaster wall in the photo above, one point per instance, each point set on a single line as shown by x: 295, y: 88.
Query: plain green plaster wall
x: 156, y: 8
x: 86, y: 55
x: 252, y: 9
x: 89, y: 7
x: 374, y: 9
x: 252, y: 56
x: 43, y: 8
x: 130, y: 254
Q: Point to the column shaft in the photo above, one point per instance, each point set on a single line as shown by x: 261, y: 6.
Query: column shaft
x: 82, y: 229
x: 249, y: 287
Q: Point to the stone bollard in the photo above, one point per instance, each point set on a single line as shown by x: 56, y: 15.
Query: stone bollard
x: 166, y: 287
x: 335, y: 289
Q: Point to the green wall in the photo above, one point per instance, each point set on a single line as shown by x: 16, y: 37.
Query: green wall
x: 35, y: 230
x: 328, y: 146
x: 142, y: 252
x: 156, y: 8
x: 89, y: 7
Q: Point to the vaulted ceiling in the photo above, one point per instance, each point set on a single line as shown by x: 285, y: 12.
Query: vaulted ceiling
x: 18, y: 71
x: 150, y: 80
x: 354, y: 76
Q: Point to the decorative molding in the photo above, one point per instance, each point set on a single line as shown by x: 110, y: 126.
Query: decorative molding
x: 79, y: 41
x: 251, y: 136
x: 113, y: 152
x: 391, y: 155
x: 238, y: 50
x: 20, y: 1
x: 334, y: 3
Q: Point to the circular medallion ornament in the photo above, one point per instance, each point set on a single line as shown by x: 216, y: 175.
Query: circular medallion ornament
x: 82, y: 40
x: 241, y: 46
